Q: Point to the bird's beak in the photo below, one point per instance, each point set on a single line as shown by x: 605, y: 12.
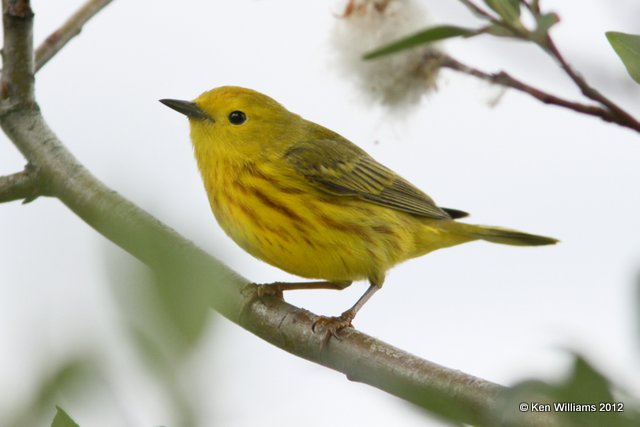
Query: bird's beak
x: 188, y: 108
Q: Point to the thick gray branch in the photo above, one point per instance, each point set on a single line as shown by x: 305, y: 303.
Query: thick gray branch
x: 17, y: 53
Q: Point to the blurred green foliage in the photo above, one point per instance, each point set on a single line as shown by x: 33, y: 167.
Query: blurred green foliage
x: 164, y: 311
x: 62, y: 419
x: 71, y: 379
x: 584, y: 398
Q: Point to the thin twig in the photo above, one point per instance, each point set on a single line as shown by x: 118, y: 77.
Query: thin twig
x: 71, y: 28
x: 607, y: 110
x: 504, y: 79
x: 479, y: 12
x: 360, y: 357
x: 535, y: 6
x: 589, y: 91
x: 531, y: 7
x: 20, y: 186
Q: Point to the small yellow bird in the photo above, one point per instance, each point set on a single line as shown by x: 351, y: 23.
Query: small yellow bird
x: 306, y: 200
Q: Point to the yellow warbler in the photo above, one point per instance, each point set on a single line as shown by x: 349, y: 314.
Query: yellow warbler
x: 304, y: 199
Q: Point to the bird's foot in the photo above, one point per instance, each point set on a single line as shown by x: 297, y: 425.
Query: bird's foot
x: 276, y: 289
x: 268, y: 290
x: 333, y: 325
x: 258, y: 290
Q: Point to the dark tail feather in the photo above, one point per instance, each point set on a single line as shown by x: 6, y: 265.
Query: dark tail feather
x: 455, y: 213
x: 506, y: 236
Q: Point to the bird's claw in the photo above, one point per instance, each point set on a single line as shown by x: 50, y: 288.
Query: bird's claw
x: 266, y: 290
x: 333, y: 325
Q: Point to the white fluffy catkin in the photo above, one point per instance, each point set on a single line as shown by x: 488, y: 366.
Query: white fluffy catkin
x: 397, y: 80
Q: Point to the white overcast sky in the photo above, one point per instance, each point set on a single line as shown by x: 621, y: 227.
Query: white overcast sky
x: 502, y: 313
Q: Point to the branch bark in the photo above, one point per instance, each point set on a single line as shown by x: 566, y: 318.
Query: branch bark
x: 20, y: 186
x: 17, y: 54
x: 620, y: 115
x: 362, y: 358
x: 504, y: 79
x: 607, y: 110
x: 71, y: 28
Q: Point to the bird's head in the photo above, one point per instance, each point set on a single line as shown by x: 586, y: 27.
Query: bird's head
x: 236, y: 118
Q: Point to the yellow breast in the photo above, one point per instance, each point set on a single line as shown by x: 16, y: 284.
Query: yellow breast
x: 292, y: 226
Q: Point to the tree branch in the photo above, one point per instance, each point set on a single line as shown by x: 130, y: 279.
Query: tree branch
x: 360, y: 357
x: 607, y: 110
x: 621, y: 116
x: 71, y: 28
x: 21, y: 185
x: 17, y: 54
x: 504, y: 79
x: 479, y: 12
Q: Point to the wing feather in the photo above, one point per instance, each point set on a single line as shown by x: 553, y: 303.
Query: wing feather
x: 338, y: 167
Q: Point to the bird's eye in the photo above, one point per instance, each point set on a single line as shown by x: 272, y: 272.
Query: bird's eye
x: 237, y: 117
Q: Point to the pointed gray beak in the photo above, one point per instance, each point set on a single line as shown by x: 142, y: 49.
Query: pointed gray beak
x: 188, y: 108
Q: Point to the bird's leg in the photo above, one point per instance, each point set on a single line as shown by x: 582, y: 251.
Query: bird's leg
x: 276, y: 288
x: 333, y: 325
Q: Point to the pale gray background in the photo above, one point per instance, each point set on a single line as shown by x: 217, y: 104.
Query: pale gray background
x: 498, y: 312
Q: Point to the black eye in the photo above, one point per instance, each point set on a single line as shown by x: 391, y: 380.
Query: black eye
x: 237, y: 117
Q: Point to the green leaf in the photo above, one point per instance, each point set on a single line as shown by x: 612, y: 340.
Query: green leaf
x: 543, y: 24
x: 62, y: 419
x: 500, y: 31
x: 509, y: 10
x: 429, y: 35
x: 627, y: 46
